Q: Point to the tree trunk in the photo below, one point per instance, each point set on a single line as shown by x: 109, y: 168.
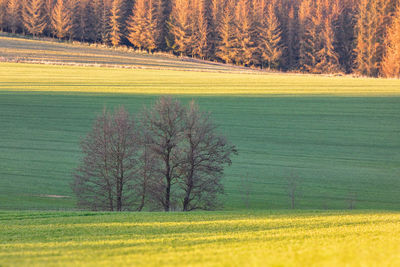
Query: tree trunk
x: 168, y: 188
x: 119, y: 201
x: 143, y: 198
x: 167, y: 196
x: 120, y: 187
x: 110, y: 198
x: 186, y: 200
x: 140, y: 208
x: 111, y: 203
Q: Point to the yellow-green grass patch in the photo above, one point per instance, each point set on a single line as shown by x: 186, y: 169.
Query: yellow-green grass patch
x: 32, y: 77
x: 201, y: 239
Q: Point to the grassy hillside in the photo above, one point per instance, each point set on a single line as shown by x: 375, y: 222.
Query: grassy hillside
x: 340, y: 143
x: 337, y: 144
x: 52, y: 52
x: 340, y: 134
x: 28, y: 77
x: 197, y: 239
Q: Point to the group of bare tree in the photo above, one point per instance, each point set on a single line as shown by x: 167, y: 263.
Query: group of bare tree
x: 318, y: 36
x: 169, y: 158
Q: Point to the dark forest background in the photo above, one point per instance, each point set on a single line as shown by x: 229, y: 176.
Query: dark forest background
x: 315, y: 36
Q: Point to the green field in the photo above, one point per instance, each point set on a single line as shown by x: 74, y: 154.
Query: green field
x: 340, y: 135
x: 200, y: 239
x: 339, y: 143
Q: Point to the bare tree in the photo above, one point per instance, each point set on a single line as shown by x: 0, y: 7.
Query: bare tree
x: 351, y: 196
x: 104, y: 179
x: 147, y: 174
x: 205, y: 153
x: 293, y: 186
x: 175, y: 160
x: 165, y: 125
x: 351, y: 199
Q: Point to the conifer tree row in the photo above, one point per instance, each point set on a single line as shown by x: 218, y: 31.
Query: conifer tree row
x: 317, y: 36
x: 391, y: 59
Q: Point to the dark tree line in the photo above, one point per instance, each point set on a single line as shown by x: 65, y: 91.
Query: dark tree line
x: 170, y: 157
x: 317, y: 36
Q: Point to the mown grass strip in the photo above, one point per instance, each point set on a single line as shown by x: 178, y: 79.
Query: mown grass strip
x: 46, y: 78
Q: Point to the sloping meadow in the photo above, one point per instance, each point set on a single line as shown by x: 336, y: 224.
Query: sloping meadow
x: 338, y: 146
x: 339, y: 135
x: 200, y: 238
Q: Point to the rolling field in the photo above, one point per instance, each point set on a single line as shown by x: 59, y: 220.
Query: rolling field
x: 52, y: 52
x: 340, y: 135
x: 199, y: 239
x: 48, y: 78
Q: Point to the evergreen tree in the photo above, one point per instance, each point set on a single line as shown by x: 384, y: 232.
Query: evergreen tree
x: 373, y: 19
x: 286, y: 12
x: 13, y: 15
x: 328, y: 60
x: 213, y: 23
x: 115, y: 22
x: 225, y: 49
x: 180, y: 26
x: 33, y: 19
x: 61, y: 20
x: 72, y: 6
x: 143, y: 31
x: 3, y: 14
x: 391, y: 60
x: 292, y: 42
x: 100, y: 17
x: 269, y: 36
x: 345, y: 34
x: 199, y: 29
x: 317, y: 39
x: 163, y: 11
x: 244, y: 43
x: 47, y: 13
x: 152, y: 33
x: 136, y: 26
x: 82, y: 26
x: 307, y: 36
